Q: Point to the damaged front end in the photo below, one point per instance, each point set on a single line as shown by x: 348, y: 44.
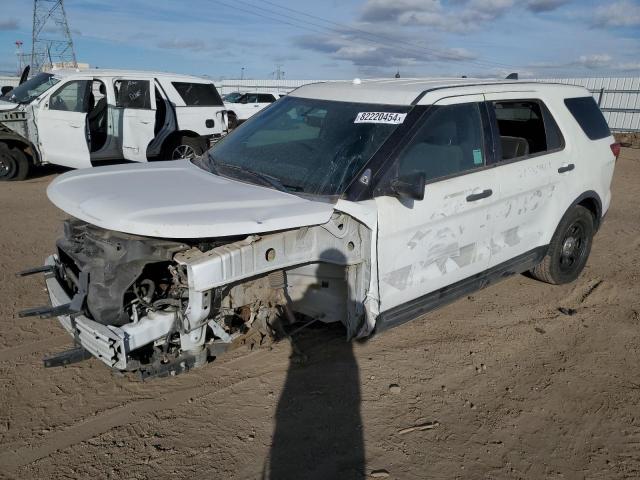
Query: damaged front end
x: 162, y: 306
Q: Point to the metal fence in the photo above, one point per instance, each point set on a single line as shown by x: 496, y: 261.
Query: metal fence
x: 11, y: 81
x: 619, y: 98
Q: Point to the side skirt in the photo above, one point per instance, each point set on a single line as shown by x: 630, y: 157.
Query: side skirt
x: 431, y: 301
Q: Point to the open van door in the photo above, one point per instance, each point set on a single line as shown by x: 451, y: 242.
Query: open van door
x: 138, y: 114
x: 62, y: 125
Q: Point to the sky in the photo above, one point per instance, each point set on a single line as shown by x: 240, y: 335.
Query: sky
x: 341, y: 39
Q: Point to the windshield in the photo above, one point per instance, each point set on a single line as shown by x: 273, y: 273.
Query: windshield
x: 31, y: 89
x: 301, y: 145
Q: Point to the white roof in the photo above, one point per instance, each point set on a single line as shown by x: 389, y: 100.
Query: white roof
x: 104, y: 72
x: 412, y: 91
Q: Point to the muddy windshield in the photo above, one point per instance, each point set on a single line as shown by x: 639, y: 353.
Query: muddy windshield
x: 31, y: 89
x: 305, y: 146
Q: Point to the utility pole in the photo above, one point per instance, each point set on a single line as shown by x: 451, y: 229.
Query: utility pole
x: 51, y: 42
x: 279, y: 73
x: 19, y: 54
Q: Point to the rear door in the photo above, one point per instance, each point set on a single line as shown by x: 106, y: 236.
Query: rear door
x: 425, y: 245
x: 138, y: 115
x: 530, y: 151
x: 62, y: 125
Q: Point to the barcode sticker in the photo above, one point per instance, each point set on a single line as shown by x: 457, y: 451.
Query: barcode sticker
x: 380, y: 117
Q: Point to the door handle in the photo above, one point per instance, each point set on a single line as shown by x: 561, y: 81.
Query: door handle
x: 477, y: 196
x: 566, y: 168
x: 144, y: 122
x: 73, y: 125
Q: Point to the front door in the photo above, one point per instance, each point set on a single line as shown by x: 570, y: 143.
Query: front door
x: 425, y: 245
x: 137, y: 115
x: 62, y: 125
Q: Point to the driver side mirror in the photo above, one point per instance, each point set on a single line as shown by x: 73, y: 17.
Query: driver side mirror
x: 6, y: 89
x: 410, y: 186
x: 243, y: 100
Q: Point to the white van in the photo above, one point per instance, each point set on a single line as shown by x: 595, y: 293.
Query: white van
x: 366, y: 203
x: 77, y: 118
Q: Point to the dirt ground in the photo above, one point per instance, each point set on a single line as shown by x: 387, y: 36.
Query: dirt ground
x: 503, y: 383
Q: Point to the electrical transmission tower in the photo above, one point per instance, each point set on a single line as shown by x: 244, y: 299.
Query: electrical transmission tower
x: 51, y: 42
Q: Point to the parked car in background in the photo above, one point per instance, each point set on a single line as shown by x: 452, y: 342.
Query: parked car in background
x: 77, y: 118
x: 231, y: 97
x: 242, y: 106
x: 366, y: 203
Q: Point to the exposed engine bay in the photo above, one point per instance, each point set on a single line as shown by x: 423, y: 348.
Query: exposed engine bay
x: 163, y: 306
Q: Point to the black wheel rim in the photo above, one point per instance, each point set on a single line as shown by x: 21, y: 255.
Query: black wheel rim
x: 573, y: 247
x: 8, y: 167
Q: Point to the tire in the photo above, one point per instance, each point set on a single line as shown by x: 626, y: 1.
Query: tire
x: 185, y: 148
x: 232, y: 120
x: 14, y: 164
x: 569, y: 248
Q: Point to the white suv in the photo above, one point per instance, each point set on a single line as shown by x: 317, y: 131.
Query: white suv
x: 76, y: 117
x: 241, y: 106
x: 366, y: 203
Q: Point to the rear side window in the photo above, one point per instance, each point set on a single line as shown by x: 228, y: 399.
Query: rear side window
x: 587, y: 113
x: 526, y: 128
x: 133, y: 94
x: 450, y: 142
x: 198, y: 94
x: 266, y: 98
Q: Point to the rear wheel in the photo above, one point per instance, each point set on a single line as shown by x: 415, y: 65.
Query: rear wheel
x: 569, y: 248
x: 186, y: 148
x: 14, y: 164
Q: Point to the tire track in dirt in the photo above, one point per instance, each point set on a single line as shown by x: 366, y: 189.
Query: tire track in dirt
x: 86, y: 429
x: 11, y: 353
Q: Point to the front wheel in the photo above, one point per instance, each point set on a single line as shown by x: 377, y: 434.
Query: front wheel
x: 14, y: 164
x: 569, y: 248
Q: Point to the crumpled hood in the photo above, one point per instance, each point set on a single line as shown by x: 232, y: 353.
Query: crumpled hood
x: 179, y: 200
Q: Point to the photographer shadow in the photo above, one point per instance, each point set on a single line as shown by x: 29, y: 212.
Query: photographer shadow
x: 318, y: 428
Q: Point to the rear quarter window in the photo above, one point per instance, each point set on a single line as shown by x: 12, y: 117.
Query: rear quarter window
x: 198, y: 94
x: 588, y: 115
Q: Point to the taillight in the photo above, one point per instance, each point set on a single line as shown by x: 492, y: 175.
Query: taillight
x: 615, y: 148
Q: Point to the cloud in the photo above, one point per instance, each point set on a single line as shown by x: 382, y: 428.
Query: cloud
x: 622, y: 13
x: 9, y: 24
x: 537, y: 6
x: 603, y: 62
x: 356, y: 47
x: 174, y: 44
x: 458, y: 16
x: 392, y: 10
x: 595, y: 61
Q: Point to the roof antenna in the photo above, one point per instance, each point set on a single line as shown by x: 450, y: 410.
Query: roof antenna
x: 512, y: 76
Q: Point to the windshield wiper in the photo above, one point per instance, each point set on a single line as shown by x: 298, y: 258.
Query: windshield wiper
x: 214, y: 166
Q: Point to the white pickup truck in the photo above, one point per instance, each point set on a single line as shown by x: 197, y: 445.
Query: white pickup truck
x: 76, y: 118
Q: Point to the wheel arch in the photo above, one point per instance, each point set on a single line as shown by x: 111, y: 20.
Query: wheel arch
x: 23, y: 144
x: 592, y: 202
x: 174, y: 137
